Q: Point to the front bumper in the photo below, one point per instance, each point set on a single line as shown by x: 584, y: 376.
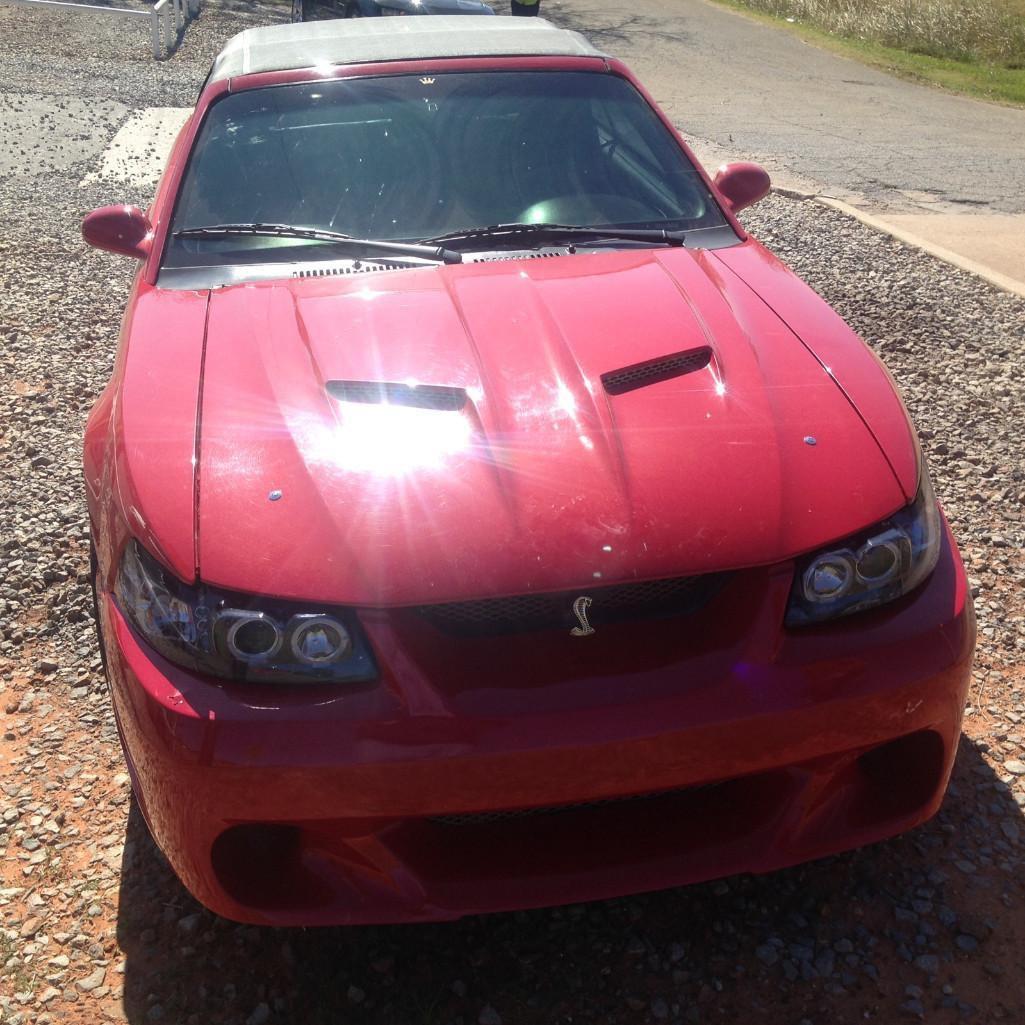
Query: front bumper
x: 736, y: 747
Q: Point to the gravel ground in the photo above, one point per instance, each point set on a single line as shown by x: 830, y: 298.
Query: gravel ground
x: 94, y: 927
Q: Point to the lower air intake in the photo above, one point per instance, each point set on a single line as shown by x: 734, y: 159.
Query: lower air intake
x: 484, y: 817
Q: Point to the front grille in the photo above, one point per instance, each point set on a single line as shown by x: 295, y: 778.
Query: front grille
x: 483, y: 818
x: 640, y: 375
x: 554, y: 611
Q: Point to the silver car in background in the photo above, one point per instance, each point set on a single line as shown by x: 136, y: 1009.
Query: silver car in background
x: 318, y: 10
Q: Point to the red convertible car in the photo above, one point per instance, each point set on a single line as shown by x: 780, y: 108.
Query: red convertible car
x: 482, y: 518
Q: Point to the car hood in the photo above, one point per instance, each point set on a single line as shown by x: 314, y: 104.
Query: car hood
x: 501, y: 457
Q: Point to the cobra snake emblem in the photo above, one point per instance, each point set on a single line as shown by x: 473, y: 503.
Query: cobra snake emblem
x: 580, y: 607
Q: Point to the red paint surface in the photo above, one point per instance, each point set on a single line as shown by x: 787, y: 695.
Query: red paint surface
x: 543, y: 482
x: 742, y: 184
x: 730, y: 699
x: 125, y: 230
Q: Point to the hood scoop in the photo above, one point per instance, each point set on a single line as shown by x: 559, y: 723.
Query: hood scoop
x: 662, y: 368
x: 418, y: 396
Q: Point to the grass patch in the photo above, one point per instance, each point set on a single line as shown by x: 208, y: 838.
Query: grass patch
x: 51, y: 869
x: 18, y: 977
x: 975, y: 47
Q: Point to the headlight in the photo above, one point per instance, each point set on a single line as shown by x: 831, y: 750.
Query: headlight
x: 239, y: 637
x: 875, y: 567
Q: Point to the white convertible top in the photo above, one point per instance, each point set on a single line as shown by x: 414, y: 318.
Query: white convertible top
x: 366, y: 40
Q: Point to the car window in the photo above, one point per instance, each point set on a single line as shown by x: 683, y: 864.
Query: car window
x: 407, y: 157
x: 314, y: 10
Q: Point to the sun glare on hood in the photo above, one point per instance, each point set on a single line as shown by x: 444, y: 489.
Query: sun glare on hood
x: 391, y: 440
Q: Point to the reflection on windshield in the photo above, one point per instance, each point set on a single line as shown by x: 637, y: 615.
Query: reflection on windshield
x: 408, y: 157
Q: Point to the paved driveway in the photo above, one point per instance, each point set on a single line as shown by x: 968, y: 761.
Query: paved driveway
x: 943, y: 168
x: 761, y: 91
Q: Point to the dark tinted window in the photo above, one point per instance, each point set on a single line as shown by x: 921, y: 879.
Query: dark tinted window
x: 406, y: 157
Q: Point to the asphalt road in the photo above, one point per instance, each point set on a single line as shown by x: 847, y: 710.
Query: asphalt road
x: 808, y: 115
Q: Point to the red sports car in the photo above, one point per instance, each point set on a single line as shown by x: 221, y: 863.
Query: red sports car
x: 482, y: 518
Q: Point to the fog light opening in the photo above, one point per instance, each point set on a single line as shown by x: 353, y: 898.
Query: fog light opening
x: 901, y: 777
x: 263, y: 865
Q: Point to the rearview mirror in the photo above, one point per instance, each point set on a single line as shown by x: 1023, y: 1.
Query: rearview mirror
x: 119, y: 229
x: 742, y: 184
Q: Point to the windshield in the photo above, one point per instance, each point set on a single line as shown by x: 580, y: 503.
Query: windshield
x: 407, y: 157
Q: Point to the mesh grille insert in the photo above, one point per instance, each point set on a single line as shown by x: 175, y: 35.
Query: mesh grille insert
x: 639, y: 375
x: 554, y: 611
x: 421, y: 396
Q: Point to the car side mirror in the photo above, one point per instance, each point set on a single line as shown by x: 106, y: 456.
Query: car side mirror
x: 742, y: 184
x: 119, y: 229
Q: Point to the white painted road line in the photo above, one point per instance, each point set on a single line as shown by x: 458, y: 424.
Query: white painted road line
x: 139, y: 151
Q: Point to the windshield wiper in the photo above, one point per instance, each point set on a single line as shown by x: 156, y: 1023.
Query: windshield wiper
x: 359, y: 247
x: 547, y: 232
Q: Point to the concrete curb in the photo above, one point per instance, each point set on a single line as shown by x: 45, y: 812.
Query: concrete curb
x: 995, y: 278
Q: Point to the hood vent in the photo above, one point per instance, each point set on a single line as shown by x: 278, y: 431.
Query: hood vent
x: 419, y: 396
x: 527, y: 255
x: 356, y: 267
x: 640, y: 375
x: 368, y: 267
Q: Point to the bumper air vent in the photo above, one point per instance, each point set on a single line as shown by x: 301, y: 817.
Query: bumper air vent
x: 420, y: 396
x: 523, y: 613
x: 640, y: 375
x: 487, y: 817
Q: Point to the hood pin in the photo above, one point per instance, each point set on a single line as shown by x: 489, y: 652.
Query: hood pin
x: 274, y: 495
x: 808, y: 440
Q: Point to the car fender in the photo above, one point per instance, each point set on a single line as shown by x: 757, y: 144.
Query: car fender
x: 856, y: 369
x: 149, y: 475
